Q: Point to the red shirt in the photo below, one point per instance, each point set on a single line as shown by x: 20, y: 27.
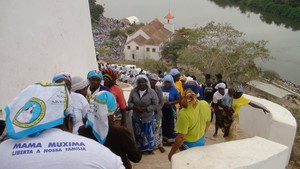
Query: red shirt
x: 118, y: 93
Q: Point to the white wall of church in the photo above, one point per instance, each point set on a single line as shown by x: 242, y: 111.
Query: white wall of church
x: 151, y: 52
x: 132, y: 51
x: 40, y: 38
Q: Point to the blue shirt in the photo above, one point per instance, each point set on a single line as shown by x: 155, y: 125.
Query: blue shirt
x: 227, y: 101
x: 201, y: 94
x: 173, y: 95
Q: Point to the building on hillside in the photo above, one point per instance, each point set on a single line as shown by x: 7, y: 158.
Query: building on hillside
x: 131, y: 20
x: 146, y: 43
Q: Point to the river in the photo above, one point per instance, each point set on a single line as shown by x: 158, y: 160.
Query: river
x: 283, y: 43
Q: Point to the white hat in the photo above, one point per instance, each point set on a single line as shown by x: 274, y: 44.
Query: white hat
x: 220, y: 85
x: 78, y: 83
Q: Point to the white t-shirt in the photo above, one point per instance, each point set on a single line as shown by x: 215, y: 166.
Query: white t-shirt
x: 57, y: 149
x: 123, y: 77
x: 80, y: 108
x: 142, y: 93
x: 216, y: 97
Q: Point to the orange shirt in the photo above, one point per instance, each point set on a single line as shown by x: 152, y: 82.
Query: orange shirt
x: 118, y: 93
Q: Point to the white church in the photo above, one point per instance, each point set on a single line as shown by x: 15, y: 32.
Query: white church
x: 146, y: 43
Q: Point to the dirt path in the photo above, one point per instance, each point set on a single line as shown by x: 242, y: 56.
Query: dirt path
x: 160, y: 160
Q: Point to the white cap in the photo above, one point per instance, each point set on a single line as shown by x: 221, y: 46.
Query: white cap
x: 78, y: 83
x: 220, y: 85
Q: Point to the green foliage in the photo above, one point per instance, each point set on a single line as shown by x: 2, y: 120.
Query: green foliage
x: 110, y: 43
x: 116, y: 32
x: 104, y: 51
x: 95, y: 10
x: 219, y: 48
x: 153, y: 66
x: 172, y: 49
x: 270, y: 75
x: 133, y: 28
x: 280, y: 12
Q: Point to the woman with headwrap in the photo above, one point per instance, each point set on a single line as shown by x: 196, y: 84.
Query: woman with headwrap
x: 79, y: 101
x: 63, y: 77
x: 95, y: 77
x: 100, y: 128
x: 193, y: 120
x: 79, y: 104
x: 158, y: 113
x: 238, y: 101
x: 171, y: 97
x: 45, y: 141
x: 110, y: 78
x: 178, y: 85
x: 144, y: 102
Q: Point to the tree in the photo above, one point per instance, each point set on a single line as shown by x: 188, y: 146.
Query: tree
x: 171, y: 49
x: 116, y: 32
x: 95, y: 10
x: 153, y: 66
x: 270, y: 75
x: 219, y: 48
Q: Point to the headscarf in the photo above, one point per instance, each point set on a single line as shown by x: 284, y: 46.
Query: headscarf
x: 189, y: 96
x: 37, y: 108
x: 78, y: 83
x: 188, y: 79
x: 240, y: 89
x: 174, y: 72
x: 183, y: 78
x: 94, y: 73
x: 109, y: 75
x: 61, y: 75
x: 103, y: 105
x: 192, y: 85
x: 154, y: 76
x: 220, y: 85
x: 169, y: 78
x: 141, y: 76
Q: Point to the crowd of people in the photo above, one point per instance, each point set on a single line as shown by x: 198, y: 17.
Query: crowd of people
x: 102, y: 33
x: 85, y: 120
x: 291, y: 85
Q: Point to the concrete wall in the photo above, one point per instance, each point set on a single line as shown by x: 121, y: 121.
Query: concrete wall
x: 128, y: 52
x: 252, y: 153
x: 279, y: 126
x: 271, y: 149
x: 151, y: 55
x: 40, y: 38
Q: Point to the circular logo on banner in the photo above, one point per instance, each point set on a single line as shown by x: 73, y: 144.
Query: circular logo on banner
x: 30, y: 114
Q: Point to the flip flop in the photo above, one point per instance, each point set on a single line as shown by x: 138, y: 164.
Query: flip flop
x: 161, y: 149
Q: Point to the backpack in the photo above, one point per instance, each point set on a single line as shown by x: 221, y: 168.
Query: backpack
x: 208, y: 92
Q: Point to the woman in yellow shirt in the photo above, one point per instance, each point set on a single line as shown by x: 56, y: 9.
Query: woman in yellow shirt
x: 238, y: 101
x: 193, y: 120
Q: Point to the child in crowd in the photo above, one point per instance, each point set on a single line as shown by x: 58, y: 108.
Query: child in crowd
x: 228, y: 111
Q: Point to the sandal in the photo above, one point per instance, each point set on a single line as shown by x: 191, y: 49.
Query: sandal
x: 161, y: 149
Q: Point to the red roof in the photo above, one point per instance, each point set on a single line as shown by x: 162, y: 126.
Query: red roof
x: 156, y: 31
x: 169, y: 16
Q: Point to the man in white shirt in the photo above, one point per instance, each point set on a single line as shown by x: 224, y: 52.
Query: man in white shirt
x: 45, y: 141
x: 218, y: 106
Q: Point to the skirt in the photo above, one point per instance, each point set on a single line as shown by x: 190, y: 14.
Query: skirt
x: 144, y: 134
x: 157, y: 132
